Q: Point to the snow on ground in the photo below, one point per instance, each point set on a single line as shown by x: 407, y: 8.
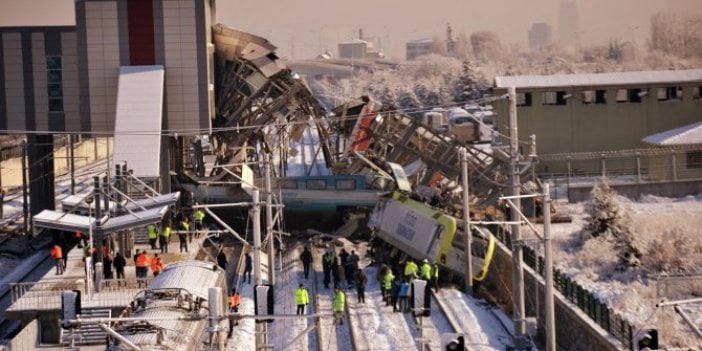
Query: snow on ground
x: 675, y: 223
x: 485, y: 326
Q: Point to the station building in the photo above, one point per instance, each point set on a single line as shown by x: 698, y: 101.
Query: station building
x: 589, y: 115
x: 65, y: 79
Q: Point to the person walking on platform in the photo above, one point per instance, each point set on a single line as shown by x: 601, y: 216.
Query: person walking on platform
x: 248, y: 266
x: 107, y: 269
x: 142, y: 267
x: 338, y: 305
x: 156, y: 265
x: 164, y: 237
x: 198, y: 216
x: 306, y: 258
x: 153, y: 235
x: 119, y: 263
x: 57, y: 254
x: 302, y: 298
x: 234, y: 301
x: 361, y: 280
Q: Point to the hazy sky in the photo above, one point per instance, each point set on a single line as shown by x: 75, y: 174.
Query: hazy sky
x: 303, y: 27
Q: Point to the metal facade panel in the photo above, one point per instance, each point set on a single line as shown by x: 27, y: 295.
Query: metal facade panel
x: 138, y: 120
x: 599, y: 79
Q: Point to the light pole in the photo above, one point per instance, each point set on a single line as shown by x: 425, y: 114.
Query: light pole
x: 89, y: 257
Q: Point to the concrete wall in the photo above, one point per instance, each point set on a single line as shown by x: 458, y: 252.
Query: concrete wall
x: 574, y: 330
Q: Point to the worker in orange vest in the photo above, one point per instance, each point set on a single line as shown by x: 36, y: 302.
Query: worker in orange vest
x: 234, y: 301
x: 142, y: 267
x: 57, y: 254
x: 156, y: 265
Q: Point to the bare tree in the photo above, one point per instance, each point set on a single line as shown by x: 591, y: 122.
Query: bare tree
x: 486, y: 45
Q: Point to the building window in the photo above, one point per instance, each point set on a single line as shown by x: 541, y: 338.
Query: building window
x: 601, y: 96
x: 622, y: 95
x: 523, y: 99
x: 554, y: 97
x: 54, y: 79
x: 670, y: 93
x: 588, y: 96
x: 694, y: 159
x: 696, y: 94
x: 635, y: 95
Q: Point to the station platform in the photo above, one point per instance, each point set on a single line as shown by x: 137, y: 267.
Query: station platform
x: 32, y: 299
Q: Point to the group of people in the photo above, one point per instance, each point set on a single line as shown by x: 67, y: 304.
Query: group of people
x: 162, y: 234
x: 396, y: 288
x: 143, y: 263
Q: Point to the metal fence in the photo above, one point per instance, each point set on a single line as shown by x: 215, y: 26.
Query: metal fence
x: 598, y: 311
x: 632, y: 166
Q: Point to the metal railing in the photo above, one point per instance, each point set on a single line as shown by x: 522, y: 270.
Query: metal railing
x: 598, y: 311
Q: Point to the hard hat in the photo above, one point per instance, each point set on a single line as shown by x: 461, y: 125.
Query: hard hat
x: 425, y: 260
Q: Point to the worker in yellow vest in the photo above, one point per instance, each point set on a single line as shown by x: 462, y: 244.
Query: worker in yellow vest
x: 164, y: 237
x: 153, y: 234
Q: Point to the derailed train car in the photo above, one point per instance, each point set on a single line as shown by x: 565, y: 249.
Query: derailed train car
x: 169, y: 314
x: 421, y: 231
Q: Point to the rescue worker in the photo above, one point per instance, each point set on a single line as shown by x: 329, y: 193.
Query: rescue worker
x: 57, y: 254
x: 361, y: 281
x: 425, y: 270
x: 164, y: 237
x: 234, y: 301
x: 435, y: 276
x: 119, y: 263
x: 306, y: 258
x: 327, y: 265
x: 411, y: 270
x: 183, y: 234
x: 387, y: 285
x: 198, y: 216
x: 248, y: 266
x: 185, y: 225
x: 153, y: 235
x: 302, y: 298
x: 338, y: 305
x: 156, y: 265
x: 142, y: 267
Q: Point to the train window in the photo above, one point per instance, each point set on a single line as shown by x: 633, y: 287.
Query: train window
x: 523, y: 99
x: 287, y: 184
x: 346, y: 184
x: 600, y: 96
x: 317, y: 184
x: 697, y: 93
x: 588, y: 96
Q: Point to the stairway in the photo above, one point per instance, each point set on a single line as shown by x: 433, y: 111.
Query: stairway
x: 87, y: 333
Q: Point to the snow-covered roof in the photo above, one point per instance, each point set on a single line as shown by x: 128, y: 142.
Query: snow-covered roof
x: 599, y: 79
x: 685, y: 135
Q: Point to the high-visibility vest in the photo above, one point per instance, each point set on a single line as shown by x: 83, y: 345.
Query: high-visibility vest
x: 156, y: 264
x: 425, y: 271
x: 234, y: 300
x: 142, y: 260
x: 166, y: 231
x: 199, y: 215
x: 411, y: 268
x: 387, y: 280
x: 152, y: 231
x: 56, y: 252
x: 339, y: 301
x: 435, y: 271
x: 301, y: 296
x: 185, y: 225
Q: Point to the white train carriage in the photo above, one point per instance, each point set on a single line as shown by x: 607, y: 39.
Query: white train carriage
x: 170, y: 311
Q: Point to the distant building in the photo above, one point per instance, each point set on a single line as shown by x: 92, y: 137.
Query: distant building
x: 540, y: 36
x: 418, y: 48
x: 354, y: 49
x: 568, y: 23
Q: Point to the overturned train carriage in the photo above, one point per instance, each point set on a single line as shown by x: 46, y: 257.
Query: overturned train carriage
x: 168, y: 315
x: 420, y: 232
